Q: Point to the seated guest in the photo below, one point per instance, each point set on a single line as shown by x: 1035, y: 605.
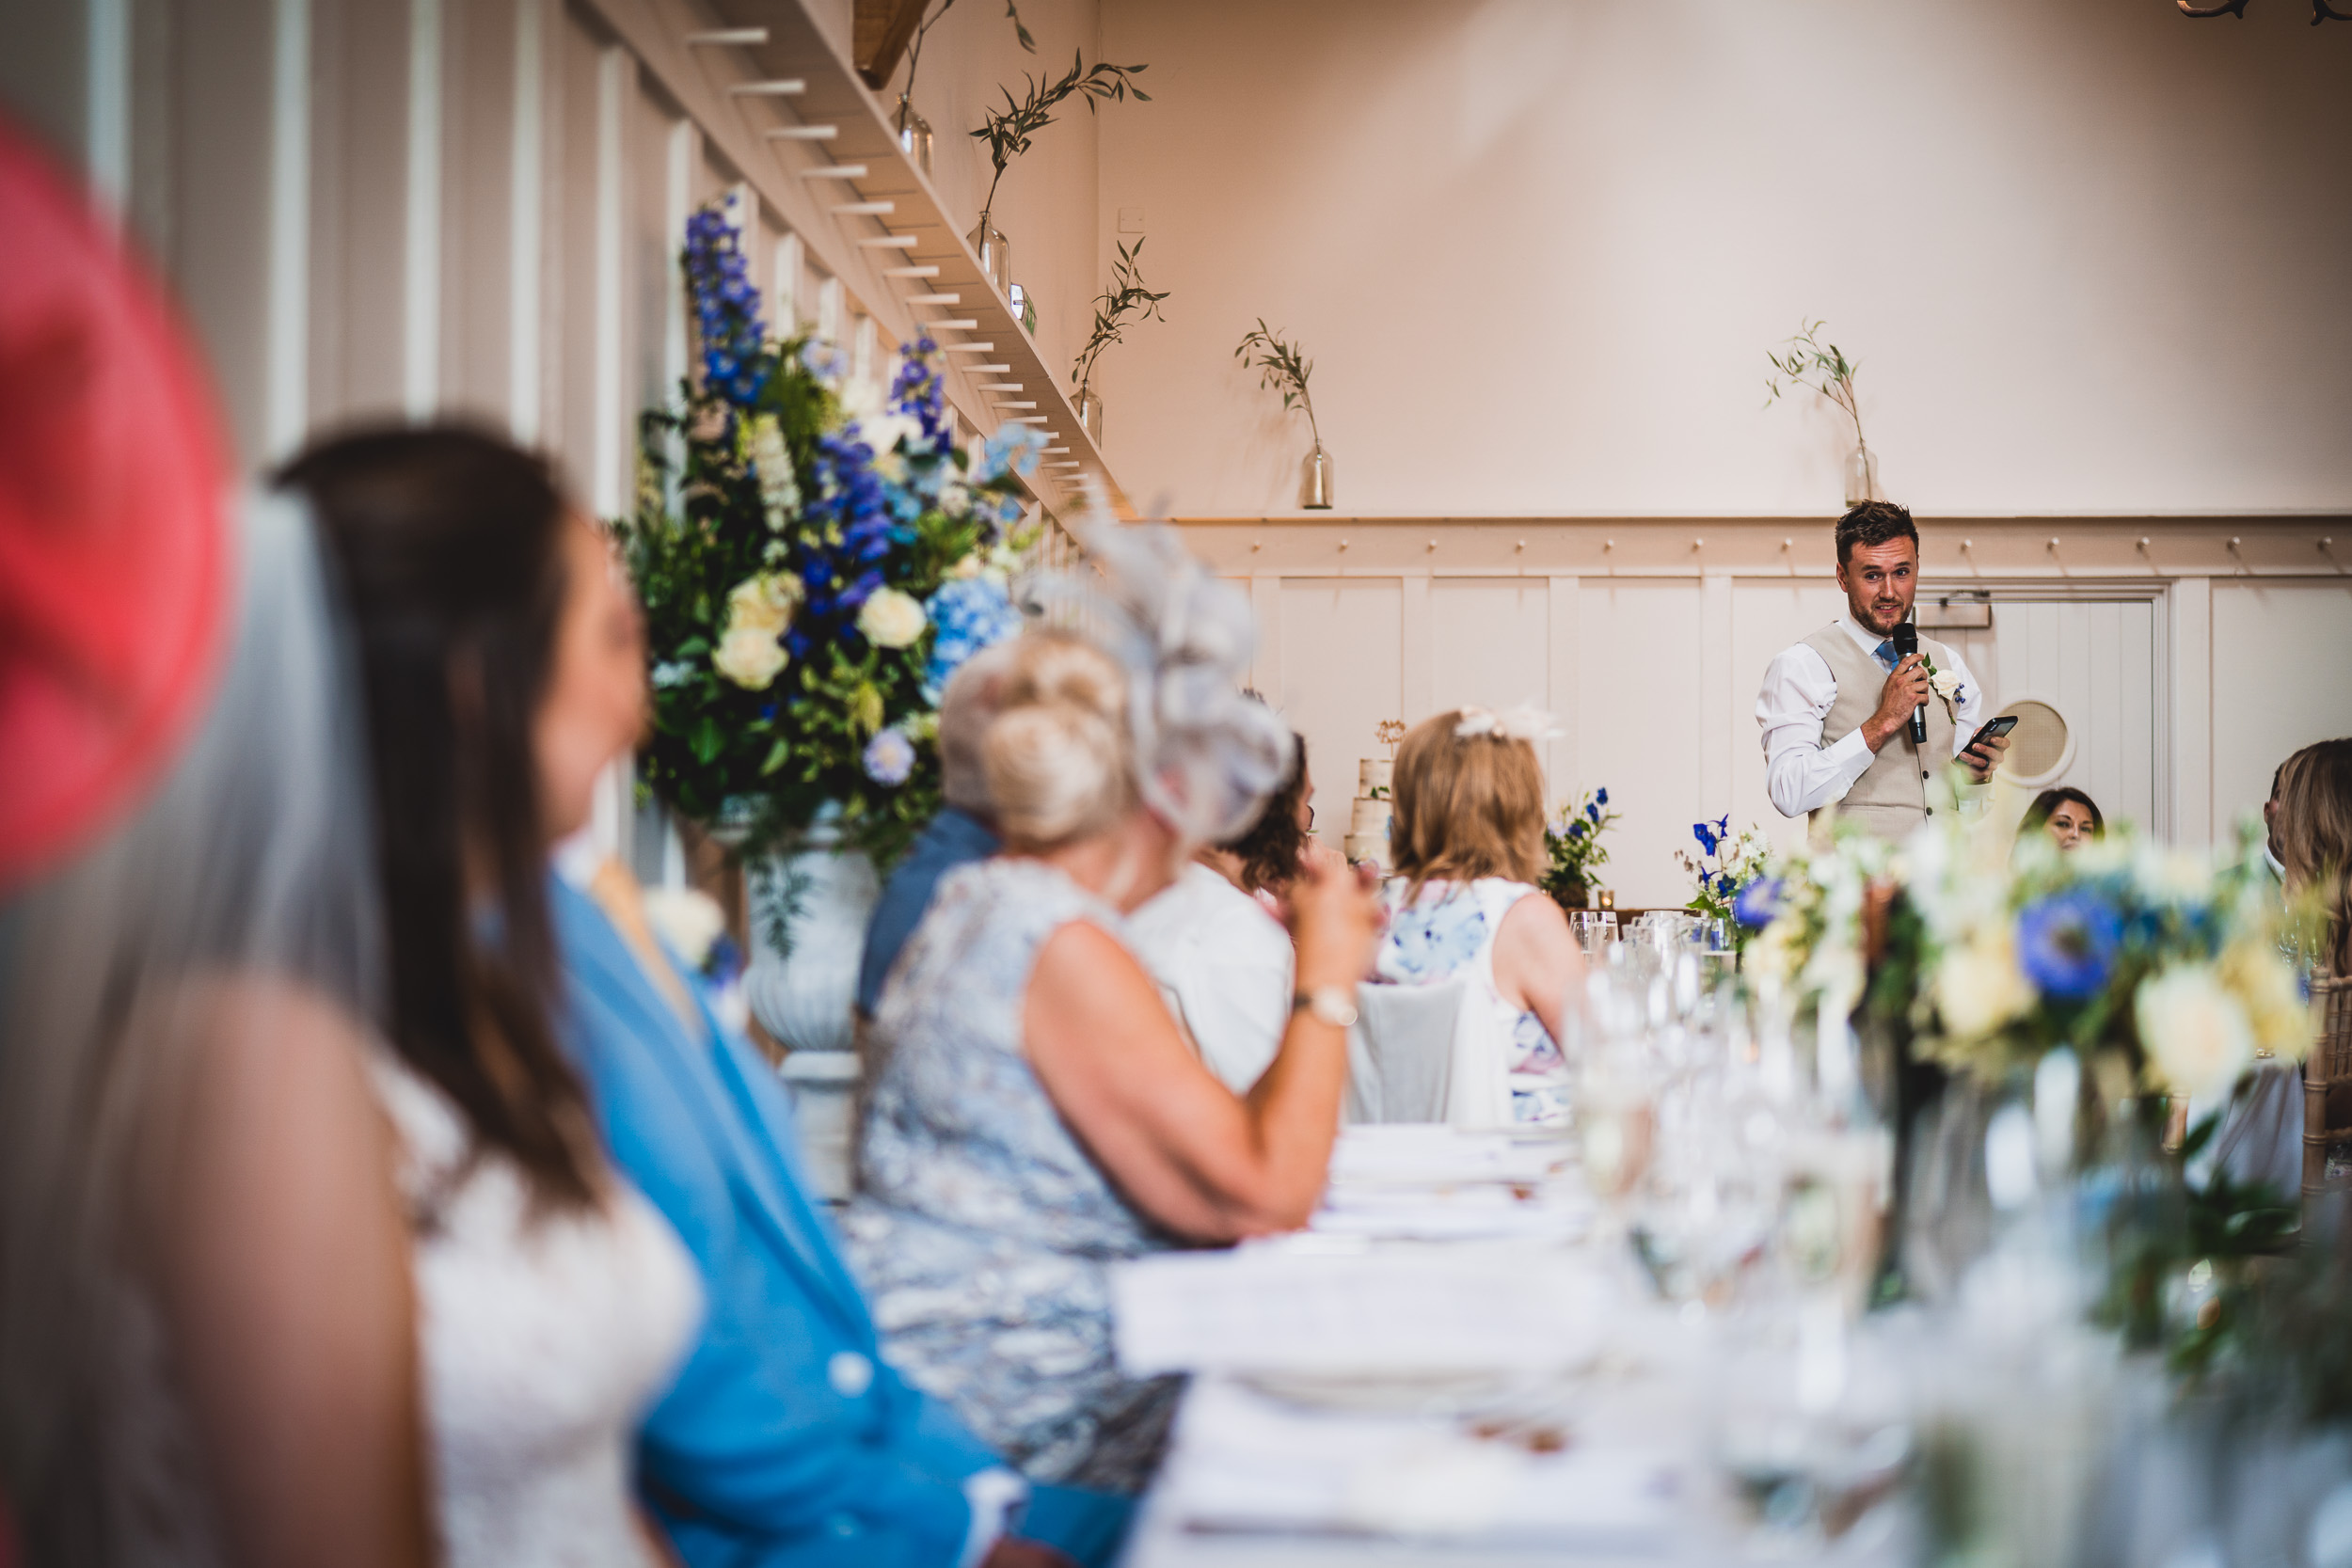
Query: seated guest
x: 1212, y: 940
x: 2309, y: 819
x: 961, y: 834
x: 502, y: 659
x: 1038, y: 1116
x: 2067, y: 814
x: 1468, y: 834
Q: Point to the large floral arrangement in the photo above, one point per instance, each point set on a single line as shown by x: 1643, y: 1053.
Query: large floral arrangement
x: 2163, y: 968
x: 816, y: 555
x: 1572, y: 848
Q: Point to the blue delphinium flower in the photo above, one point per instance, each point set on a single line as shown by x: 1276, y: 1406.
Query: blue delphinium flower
x: 2066, y: 944
x: 970, y: 613
x: 1759, y: 902
x: 889, y: 758
x: 727, y: 308
x: 1704, y: 833
x: 1576, y: 830
x: 1592, y: 811
x: 1601, y: 796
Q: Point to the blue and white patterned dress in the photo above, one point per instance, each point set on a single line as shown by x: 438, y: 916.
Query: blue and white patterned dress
x: 1449, y: 930
x: 981, y: 1228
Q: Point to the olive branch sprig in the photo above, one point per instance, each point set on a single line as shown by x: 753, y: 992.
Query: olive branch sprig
x: 1115, y: 308
x: 914, y: 53
x: 1283, y: 368
x: 1007, y: 131
x: 1822, y: 369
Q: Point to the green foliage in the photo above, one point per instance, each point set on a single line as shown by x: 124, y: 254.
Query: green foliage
x: 1007, y: 131
x: 1807, y: 362
x: 1115, y: 308
x: 1283, y: 367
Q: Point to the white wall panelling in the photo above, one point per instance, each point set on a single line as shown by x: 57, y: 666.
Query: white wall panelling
x: 2282, y: 653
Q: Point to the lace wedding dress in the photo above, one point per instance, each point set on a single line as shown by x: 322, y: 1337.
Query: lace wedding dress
x: 543, y: 1337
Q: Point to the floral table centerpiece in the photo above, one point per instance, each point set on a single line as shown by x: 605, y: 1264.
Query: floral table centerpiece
x: 1573, y: 850
x: 817, y: 555
x: 2159, y: 973
x: 1722, y: 869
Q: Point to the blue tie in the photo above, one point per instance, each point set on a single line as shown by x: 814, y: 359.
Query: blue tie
x: 1886, y: 654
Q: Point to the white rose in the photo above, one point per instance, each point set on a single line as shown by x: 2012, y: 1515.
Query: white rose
x: 966, y: 569
x: 764, y: 603
x: 1946, y: 684
x: 891, y: 619
x: 1979, y: 987
x: 2197, y: 1039
x: 749, y: 655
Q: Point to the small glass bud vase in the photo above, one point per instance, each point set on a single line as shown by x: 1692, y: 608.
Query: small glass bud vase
x: 1024, y: 308
x: 1314, y: 481
x: 993, y: 251
x: 1862, y: 475
x: 914, y: 135
x: 1090, y: 415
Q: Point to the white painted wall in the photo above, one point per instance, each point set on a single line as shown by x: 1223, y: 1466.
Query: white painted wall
x: 2089, y: 253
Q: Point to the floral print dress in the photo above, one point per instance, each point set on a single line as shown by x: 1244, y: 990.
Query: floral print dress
x: 1449, y: 932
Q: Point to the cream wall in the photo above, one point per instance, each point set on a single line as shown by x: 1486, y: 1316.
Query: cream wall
x: 2089, y: 253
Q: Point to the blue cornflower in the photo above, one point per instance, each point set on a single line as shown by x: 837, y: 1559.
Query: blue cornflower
x: 2066, y: 944
x: 1601, y: 796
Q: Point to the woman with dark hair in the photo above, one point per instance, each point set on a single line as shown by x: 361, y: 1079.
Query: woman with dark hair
x: 502, y: 662
x: 1265, y: 861
x: 2067, y: 814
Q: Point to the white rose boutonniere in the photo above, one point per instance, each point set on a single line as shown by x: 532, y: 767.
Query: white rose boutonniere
x: 890, y: 619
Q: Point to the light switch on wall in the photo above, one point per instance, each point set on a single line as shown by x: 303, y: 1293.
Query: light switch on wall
x: 1131, y: 220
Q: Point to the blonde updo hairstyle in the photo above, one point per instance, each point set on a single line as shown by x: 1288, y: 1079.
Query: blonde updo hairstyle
x: 1465, y: 806
x: 1059, y: 760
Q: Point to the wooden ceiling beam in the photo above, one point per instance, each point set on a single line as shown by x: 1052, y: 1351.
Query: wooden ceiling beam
x: 881, y: 31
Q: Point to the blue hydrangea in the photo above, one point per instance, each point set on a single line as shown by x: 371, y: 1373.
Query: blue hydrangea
x: 2066, y: 944
x: 969, y: 614
x: 1013, y: 450
x: 889, y: 758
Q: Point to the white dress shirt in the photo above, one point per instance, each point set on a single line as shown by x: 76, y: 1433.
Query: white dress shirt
x: 1225, y: 967
x: 1800, y: 773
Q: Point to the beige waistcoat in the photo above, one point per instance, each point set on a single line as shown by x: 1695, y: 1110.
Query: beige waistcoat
x: 1891, y: 797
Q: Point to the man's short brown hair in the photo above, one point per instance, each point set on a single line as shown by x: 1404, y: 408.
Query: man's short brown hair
x: 1874, y: 523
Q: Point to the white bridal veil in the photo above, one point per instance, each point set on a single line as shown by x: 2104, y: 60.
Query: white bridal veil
x: 252, y: 860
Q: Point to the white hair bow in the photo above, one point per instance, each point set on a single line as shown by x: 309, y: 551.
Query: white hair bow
x: 1526, y: 722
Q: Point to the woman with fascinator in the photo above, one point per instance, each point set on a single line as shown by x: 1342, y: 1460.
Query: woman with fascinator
x: 1036, y: 1113
x: 1468, y: 835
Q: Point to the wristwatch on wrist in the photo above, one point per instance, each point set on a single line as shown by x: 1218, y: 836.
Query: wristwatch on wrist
x: 1331, y: 1004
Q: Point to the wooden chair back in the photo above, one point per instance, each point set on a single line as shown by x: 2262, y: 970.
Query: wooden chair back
x: 2327, y: 1077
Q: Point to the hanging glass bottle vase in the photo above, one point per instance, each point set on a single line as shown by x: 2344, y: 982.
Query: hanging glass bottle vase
x: 1090, y: 415
x: 993, y: 251
x: 914, y: 135
x: 1862, y: 475
x: 1314, y: 487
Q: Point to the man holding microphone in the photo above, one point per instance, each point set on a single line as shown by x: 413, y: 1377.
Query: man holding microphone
x: 1838, y: 709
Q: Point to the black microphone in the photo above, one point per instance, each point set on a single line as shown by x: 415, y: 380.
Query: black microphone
x: 1906, y: 644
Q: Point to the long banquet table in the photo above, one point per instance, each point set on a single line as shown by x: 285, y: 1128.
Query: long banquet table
x: 1460, y: 1361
